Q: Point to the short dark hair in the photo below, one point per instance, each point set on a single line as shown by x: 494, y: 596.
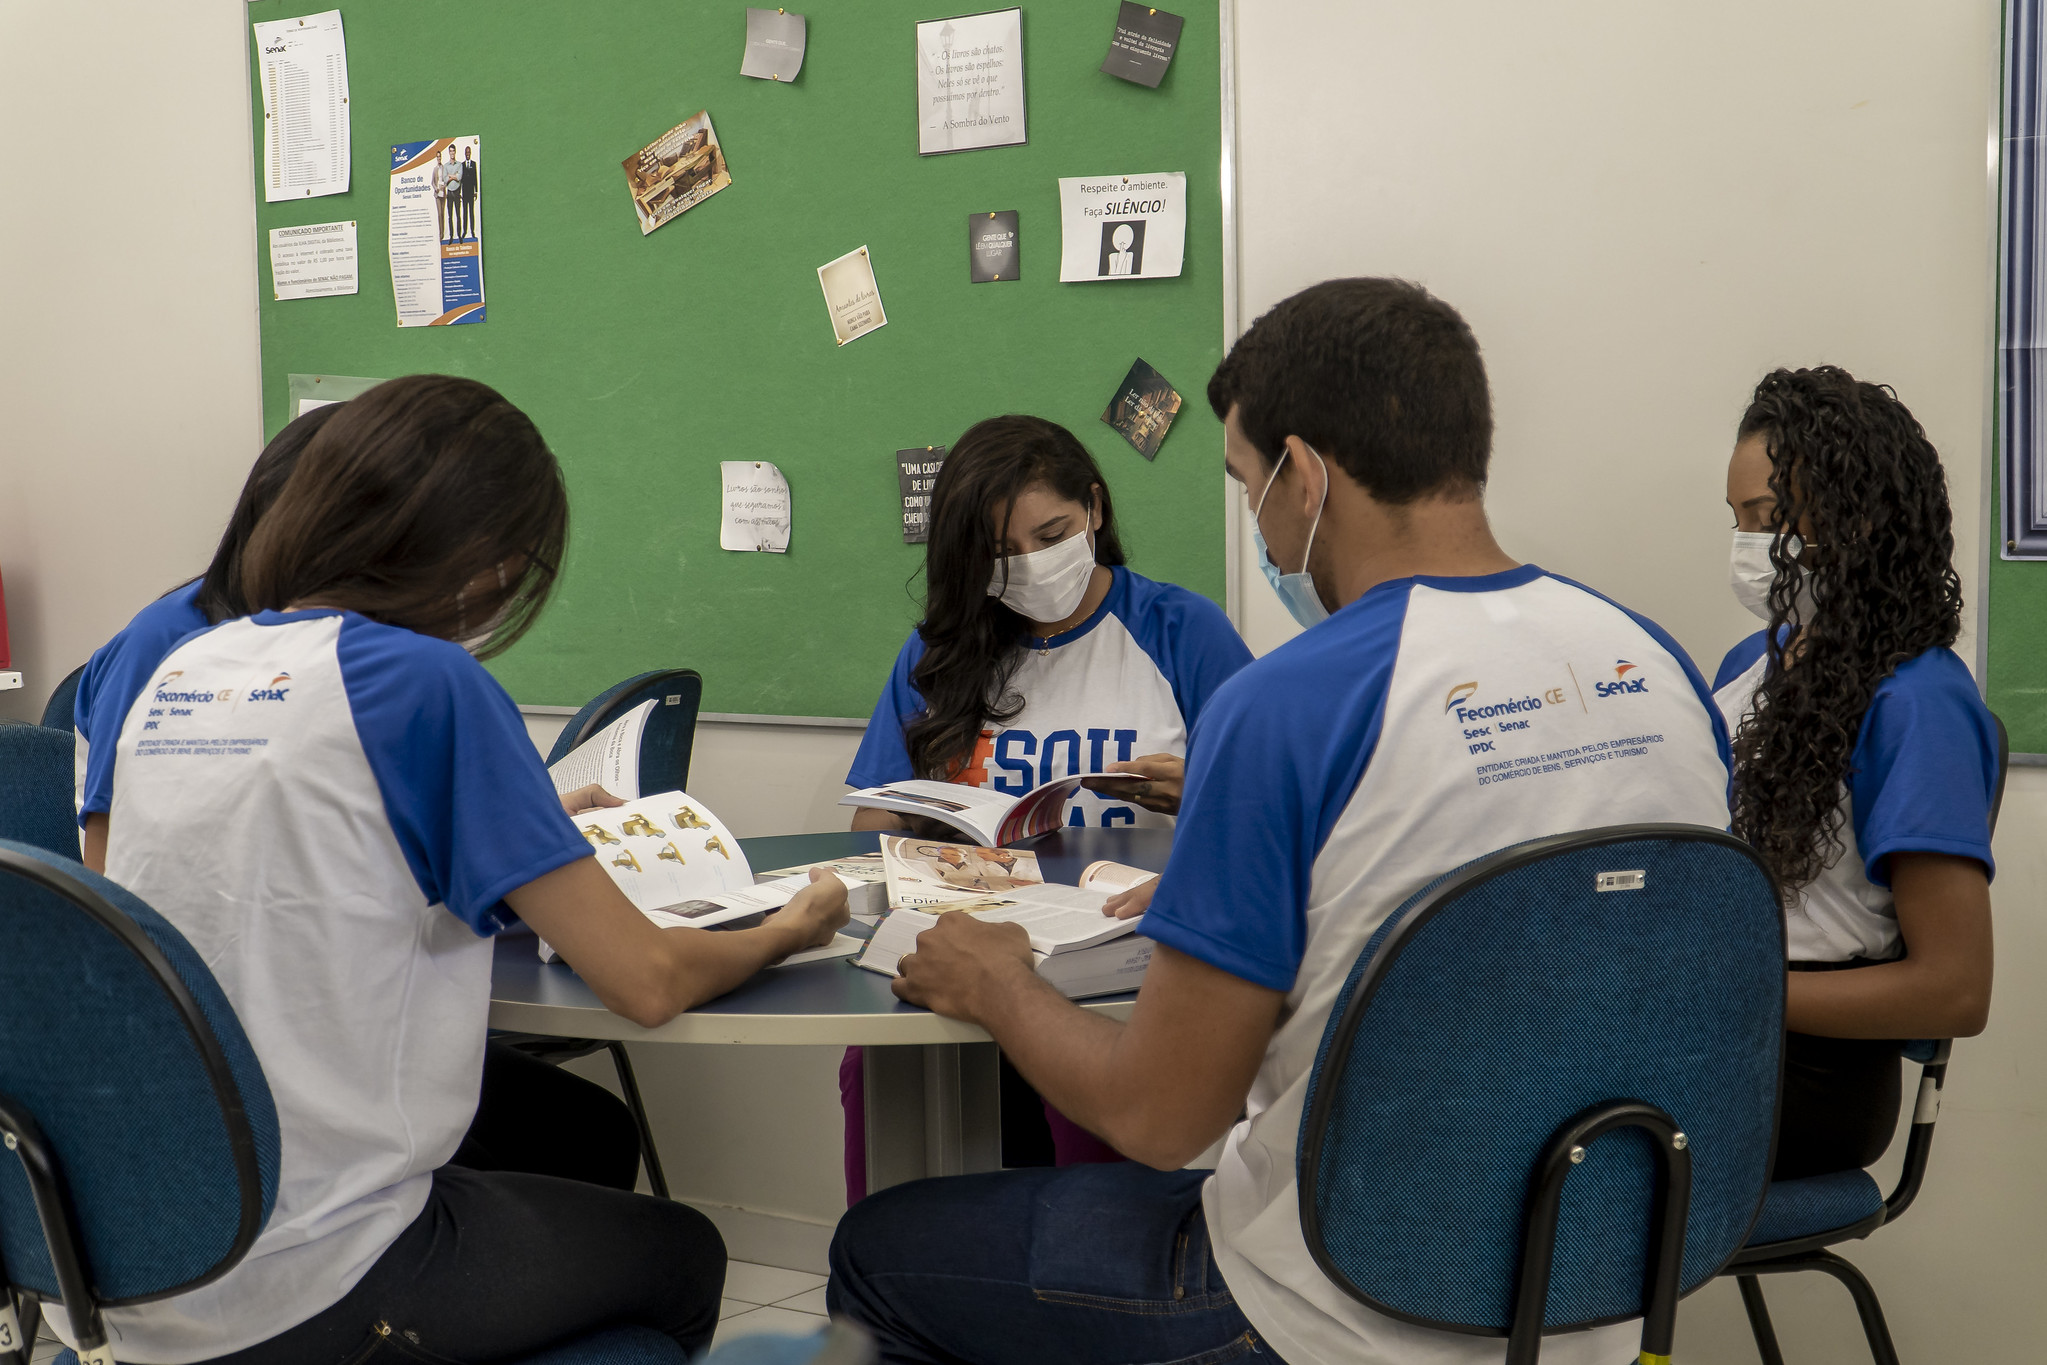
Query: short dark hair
x: 415, y: 490
x: 220, y: 590
x: 1378, y: 375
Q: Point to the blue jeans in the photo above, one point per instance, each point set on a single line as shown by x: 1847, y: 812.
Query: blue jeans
x: 1085, y: 1265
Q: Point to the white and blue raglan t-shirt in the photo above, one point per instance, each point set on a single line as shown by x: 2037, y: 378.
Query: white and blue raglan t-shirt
x: 1428, y: 723
x: 332, y: 811
x: 1920, y: 780
x: 1130, y: 680
x: 113, y: 677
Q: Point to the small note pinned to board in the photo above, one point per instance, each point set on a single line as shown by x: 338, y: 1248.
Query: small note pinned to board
x: 852, y: 295
x: 312, y: 261
x: 756, y: 515
x: 775, y: 40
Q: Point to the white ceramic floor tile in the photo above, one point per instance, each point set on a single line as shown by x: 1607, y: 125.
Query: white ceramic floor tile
x: 733, y: 1307
x: 765, y: 1284
x: 809, y: 1301
x: 768, y: 1320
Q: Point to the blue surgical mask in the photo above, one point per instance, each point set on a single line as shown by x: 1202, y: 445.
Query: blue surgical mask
x: 1296, y: 590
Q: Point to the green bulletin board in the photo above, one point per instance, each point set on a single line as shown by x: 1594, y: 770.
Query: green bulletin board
x: 646, y: 361
x: 2015, y: 634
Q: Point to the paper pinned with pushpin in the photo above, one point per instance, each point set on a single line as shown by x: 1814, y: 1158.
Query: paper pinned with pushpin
x: 756, y: 507
x: 775, y: 41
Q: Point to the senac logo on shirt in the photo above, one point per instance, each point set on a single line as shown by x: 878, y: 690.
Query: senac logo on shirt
x: 272, y: 692
x: 1622, y: 682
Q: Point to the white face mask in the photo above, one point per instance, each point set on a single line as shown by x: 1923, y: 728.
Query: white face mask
x: 1750, y: 573
x: 1046, y: 585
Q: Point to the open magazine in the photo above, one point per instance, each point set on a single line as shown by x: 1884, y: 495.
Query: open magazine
x: 922, y: 872
x: 990, y: 817
x: 1079, y: 950
x: 610, y: 758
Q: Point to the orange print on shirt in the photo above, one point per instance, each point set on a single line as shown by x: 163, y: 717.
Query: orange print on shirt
x: 974, y: 772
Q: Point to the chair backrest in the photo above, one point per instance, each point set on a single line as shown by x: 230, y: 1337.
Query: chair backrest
x: 35, y: 788
x: 59, y: 712
x: 122, y: 1059
x: 671, y: 729
x: 1636, y: 963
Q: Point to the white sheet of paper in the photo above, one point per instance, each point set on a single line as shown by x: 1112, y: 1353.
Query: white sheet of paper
x: 970, y: 82
x: 852, y: 295
x: 1122, y: 227
x: 756, y: 507
x: 312, y: 261
x: 775, y: 40
x: 304, y: 72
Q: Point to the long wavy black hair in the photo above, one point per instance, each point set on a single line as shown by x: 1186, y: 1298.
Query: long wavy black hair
x: 1855, y: 477
x: 972, y: 642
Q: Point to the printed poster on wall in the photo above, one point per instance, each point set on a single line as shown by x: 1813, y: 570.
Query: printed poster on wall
x: 1122, y: 227
x: 437, y: 231
x: 303, y: 69
x: 970, y: 82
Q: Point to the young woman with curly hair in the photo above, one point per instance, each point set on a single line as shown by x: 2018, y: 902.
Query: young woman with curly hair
x: 1864, y: 760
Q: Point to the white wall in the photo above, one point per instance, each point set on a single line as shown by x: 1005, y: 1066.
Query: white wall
x: 128, y: 367
x: 1641, y: 208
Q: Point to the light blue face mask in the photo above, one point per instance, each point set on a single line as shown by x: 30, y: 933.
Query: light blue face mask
x: 1296, y: 590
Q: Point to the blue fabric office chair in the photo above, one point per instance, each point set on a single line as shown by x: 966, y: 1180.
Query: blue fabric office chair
x: 840, y: 1344
x: 35, y: 788
x: 145, y: 1138
x: 1546, y: 1096
x: 59, y: 712
x: 671, y: 729
x: 664, y: 766
x: 1803, y: 1218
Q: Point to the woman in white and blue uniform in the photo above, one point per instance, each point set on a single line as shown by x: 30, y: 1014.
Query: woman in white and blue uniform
x: 531, y: 1116
x: 1864, y: 759
x: 1040, y: 656
x: 338, y: 807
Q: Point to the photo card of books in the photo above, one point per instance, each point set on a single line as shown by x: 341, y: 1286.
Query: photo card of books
x: 1143, y: 45
x: 775, y: 40
x: 1143, y: 409
x: 916, y: 474
x: 992, y: 251
x: 852, y: 296
x: 676, y: 171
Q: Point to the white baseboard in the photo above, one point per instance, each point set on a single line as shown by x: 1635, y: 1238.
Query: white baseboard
x: 770, y: 1238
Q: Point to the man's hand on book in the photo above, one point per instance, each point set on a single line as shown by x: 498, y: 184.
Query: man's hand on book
x: 1160, y: 791
x: 1132, y: 903
x: 817, y: 911
x: 592, y: 797
x: 962, y: 962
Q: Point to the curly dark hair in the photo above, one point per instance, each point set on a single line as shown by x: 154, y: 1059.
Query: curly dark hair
x: 1856, y: 478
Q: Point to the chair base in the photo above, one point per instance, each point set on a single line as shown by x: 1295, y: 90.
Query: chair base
x: 1867, y: 1307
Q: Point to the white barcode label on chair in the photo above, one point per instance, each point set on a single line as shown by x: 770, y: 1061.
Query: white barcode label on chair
x: 1620, y: 881
x: 10, y: 1326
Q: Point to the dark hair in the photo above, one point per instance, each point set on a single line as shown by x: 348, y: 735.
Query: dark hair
x: 1853, y: 473
x: 220, y: 587
x: 1378, y: 375
x: 973, y: 642
x: 416, y: 490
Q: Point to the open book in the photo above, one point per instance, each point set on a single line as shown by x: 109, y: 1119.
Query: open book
x: 1080, y: 951
x: 922, y: 872
x: 990, y: 817
x: 610, y: 758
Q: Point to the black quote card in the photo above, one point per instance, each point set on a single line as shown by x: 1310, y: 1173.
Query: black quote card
x: 992, y: 247
x: 916, y: 471
x: 1144, y: 43
x: 1143, y: 409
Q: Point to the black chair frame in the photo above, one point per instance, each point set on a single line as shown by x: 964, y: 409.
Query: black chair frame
x: 1812, y: 1253
x: 23, y: 1136
x: 1665, y: 1262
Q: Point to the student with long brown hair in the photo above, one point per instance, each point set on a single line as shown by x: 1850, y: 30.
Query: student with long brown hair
x: 339, y: 807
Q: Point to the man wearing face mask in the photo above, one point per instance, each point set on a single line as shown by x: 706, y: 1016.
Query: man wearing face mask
x: 1414, y: 727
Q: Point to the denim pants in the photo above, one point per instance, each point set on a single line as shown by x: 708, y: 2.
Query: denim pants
x: 1085, y: 1265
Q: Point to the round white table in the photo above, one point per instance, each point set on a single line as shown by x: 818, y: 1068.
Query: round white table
x: 932, y: 1083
